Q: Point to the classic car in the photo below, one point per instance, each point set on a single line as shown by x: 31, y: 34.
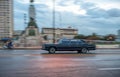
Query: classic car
x: 69, y: 45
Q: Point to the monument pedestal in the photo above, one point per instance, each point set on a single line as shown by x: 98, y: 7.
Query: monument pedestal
x: 33, y: 41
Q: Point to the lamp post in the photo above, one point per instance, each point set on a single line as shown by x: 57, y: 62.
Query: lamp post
x: 24, y: 30
x: 53, y: 21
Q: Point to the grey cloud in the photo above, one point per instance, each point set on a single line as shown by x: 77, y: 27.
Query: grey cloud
x: 42, y: 9
x: 114, y: 12
x: 84, y: 5
x: 41, y: 6
x: 87, y: 5
x: 112, y: 0
x: 78, y: 2
x: 92, y: 10
x: 97, y: 12
x: 62, y: 3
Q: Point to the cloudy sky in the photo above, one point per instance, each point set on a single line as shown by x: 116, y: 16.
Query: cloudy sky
x: 88, y: 16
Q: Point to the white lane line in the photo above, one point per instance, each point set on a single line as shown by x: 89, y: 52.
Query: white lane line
x: 105, y: 69
x: 86, y: 59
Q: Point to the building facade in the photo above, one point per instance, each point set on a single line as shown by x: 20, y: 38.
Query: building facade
x: 6, y: 18
x: 68, y: 33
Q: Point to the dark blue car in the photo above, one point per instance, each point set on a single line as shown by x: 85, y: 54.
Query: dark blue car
x: 69, y: 45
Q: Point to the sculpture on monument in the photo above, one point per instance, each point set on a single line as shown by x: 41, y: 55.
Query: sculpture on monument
x: 32, y: 26
x: 32, y: 23
x: 31, y: 0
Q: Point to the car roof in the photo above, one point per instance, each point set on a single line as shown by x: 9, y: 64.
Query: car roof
x: 72, y: 40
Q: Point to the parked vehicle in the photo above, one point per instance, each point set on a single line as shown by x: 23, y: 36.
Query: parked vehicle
x: 69, y: 45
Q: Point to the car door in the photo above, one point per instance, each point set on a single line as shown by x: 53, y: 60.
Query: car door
x: 64, y: 45
x: 73, y: 45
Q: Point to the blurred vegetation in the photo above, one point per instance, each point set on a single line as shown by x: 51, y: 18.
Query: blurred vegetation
x: 94, y: 36
x: 98, y: 39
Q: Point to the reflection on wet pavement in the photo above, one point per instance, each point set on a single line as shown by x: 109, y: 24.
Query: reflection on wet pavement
x: 41, y: 64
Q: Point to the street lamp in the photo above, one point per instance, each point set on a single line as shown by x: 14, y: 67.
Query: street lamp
x: 53, y: 21
x: 24, y: 30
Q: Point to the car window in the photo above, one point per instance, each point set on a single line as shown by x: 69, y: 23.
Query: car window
x: 65, y: 41
x: 60, y: 41
x: 73, y: 42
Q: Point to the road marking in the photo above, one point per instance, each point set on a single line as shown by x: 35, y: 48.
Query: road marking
x: 86, y: 59
x: 105, y: 69
x: 26, y: 55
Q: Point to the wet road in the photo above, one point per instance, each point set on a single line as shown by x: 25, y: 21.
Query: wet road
x: 38, y: 63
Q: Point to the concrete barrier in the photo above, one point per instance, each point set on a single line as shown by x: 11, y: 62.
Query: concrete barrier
x: 108, y: 46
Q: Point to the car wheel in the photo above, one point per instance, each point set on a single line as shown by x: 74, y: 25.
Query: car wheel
x: 52, y: 50
x: 84, y: 50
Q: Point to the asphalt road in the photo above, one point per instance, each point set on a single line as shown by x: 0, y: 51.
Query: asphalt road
x: 38, y: 63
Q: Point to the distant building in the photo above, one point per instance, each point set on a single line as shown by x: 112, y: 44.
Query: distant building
x: 47, y: 33
x: 6, y: 18
x: 18, y: 32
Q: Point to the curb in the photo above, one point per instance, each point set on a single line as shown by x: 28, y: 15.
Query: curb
x: 40, y: 49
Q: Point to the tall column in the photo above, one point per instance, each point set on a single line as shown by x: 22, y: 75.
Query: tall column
x: 32, y: 13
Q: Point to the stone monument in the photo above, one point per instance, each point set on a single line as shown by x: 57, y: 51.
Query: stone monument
x: 32, y: 36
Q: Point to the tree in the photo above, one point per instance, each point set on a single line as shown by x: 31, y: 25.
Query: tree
x: 93, y: 37
x: 45, y: 37
x: 80, y: 36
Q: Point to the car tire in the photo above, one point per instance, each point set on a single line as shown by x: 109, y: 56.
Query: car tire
x: 52, y: 50
x: 84, y: 50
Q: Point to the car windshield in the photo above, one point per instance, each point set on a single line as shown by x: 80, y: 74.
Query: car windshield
x: 67, y: 41
x: 83, y: 41
x: 60, y: 41
x: 63, y: 41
